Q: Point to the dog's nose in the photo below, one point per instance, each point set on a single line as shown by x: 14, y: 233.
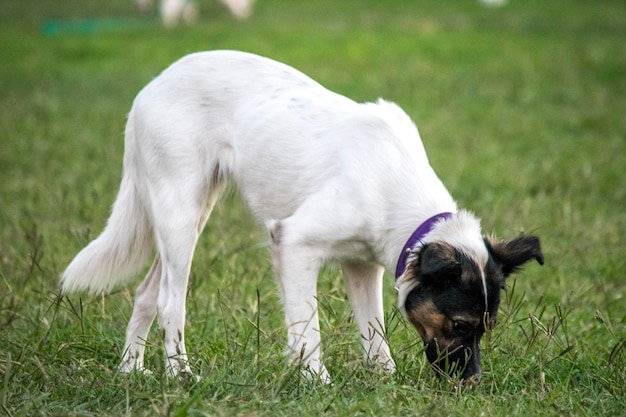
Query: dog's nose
x: 471, y: 381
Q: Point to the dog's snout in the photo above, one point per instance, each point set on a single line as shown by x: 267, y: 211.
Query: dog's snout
x: 461, y: 362
x: 471, y: 370
x: 471, y: 381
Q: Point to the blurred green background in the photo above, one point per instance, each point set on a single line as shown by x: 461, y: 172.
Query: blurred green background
x: 521, y: 110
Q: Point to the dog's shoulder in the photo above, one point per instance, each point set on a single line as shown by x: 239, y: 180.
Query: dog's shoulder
x: 389, y: 123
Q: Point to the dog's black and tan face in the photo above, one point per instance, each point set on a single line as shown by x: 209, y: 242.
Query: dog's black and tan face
x: 456, y: 299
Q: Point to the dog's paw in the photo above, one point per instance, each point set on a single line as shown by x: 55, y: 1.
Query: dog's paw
x: 384, y: 362
x: 179, y: 368
x: 128, y: 367
x: 316, y: 371
x: 188, y: 377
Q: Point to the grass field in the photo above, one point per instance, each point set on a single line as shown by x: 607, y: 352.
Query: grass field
x: 523, y: 113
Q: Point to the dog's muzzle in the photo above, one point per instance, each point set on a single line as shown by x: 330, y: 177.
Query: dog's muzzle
x: 460, y: 362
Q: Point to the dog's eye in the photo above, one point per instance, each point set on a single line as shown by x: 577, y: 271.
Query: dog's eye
x: 462, y: 328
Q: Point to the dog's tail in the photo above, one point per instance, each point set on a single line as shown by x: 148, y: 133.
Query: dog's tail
x: 119, y: 252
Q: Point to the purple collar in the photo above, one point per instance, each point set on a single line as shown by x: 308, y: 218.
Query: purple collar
x: 418, y: 235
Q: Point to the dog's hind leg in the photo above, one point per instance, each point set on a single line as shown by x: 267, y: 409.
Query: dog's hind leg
x: 296, y: 268
x: 180, y: 217
x: 144, y: 312
x: 145, y: 308
x: 365, y: 290
x: 176, y: 240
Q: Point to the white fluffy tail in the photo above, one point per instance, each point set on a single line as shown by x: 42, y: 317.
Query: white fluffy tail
x: 119, y: 252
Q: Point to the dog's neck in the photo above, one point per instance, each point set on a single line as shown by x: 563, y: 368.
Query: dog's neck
x: 408, y: 209
x: 416, y: 239
x: 461, y: 230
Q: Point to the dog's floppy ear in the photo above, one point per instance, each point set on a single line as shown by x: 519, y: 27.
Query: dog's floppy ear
x: 438, y: 264
x: 512, y: 255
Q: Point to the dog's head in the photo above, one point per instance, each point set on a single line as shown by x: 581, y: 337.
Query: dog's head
x: 453, y: 294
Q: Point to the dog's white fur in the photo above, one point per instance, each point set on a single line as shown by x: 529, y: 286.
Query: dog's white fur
x: 332, y: 180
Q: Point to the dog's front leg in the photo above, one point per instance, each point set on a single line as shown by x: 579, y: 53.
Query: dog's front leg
x: 365, y: 290
x: 296, y: 271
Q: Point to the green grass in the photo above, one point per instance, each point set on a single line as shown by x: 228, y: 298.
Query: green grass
x: 521, y: 110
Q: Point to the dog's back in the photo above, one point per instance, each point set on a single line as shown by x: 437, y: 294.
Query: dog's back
x: 279, y: 134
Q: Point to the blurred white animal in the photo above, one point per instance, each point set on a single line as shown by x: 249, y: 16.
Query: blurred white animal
x: 174, y: 11
x: 493, y: 3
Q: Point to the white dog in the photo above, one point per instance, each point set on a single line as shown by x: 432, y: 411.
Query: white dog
x: 174, y: 11
x: 330, y: 178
